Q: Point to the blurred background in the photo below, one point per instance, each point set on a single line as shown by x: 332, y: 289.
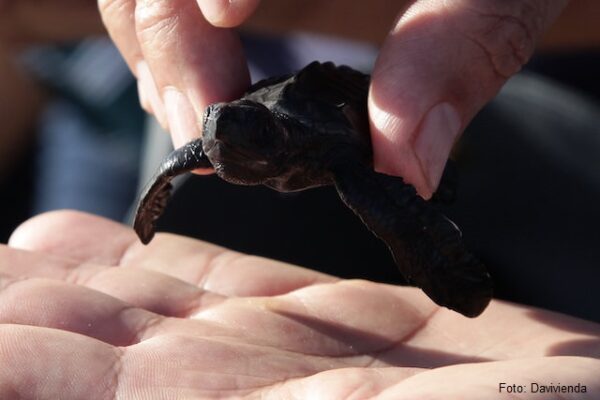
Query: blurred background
x: 72, y: 135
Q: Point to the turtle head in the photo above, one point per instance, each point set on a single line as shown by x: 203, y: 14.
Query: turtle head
x: 243, y: 141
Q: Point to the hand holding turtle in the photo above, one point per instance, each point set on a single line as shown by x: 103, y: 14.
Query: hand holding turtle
x: 441, y: 62
x: 182, y: 62
x: 311, y: 129
x: 92, y: 313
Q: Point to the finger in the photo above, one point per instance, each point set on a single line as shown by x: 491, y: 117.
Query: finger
x: 440, y: 64
x: 390, y: 325
x: 266, y: 322
x: 219, y: 270
x: 226, y: 13
x: 53, y: 364
x: 150, y: 98
x: 344, y: 383
x: 49, y: 364
x: 505, y: 331
x: 73, y: 308
x: 364, y: 322
x: 493, y: 380
x: 119, y: 18
x: 485, y: 380
x: 145, y: 289
x: 78, y: 309
x: 83, y: 237
x: 91, y: 239
x: 273, y: 322
x: 190, y: 367
x: 192, y: 62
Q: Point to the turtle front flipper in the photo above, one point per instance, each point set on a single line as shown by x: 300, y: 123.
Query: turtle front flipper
x: 156, y: 195
x: 426, y: 246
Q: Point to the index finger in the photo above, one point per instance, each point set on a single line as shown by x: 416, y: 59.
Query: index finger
x: 192, y: 62
x: 91, y: 239
x: 183, y: 63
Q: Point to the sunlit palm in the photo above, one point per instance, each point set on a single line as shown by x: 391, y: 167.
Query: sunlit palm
x: 88, y: 312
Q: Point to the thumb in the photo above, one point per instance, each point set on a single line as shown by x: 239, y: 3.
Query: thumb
x: 440, y: 64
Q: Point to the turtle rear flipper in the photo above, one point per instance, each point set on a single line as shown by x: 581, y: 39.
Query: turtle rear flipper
x: 156, y: 195
x: 426, y: 245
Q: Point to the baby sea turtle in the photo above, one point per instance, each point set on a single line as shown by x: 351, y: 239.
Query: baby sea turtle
x: 311, y: 129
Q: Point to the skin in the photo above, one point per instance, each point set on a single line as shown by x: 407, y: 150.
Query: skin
x: 108, y: 318
x: 76, y: 358
x: 420, y: 101
x: 397, y: 117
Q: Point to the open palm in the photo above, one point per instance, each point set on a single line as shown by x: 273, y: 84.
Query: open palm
x: 88, y: 312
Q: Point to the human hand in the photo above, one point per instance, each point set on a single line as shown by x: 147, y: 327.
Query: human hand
x: 86, y: 311
x: 182, y: 62
x: 441, y: 62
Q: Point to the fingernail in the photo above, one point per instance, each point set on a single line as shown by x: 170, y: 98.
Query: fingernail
x: 149, y: 93
x: 439, y: 130
x: 144, y: 101
x: 212, y: 10
x: 183, y: 123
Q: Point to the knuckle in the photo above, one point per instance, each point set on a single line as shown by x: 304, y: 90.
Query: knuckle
x: 110, y: 8
x: 508, y: 45
x: 506, y: 36
x: 155, y: 18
